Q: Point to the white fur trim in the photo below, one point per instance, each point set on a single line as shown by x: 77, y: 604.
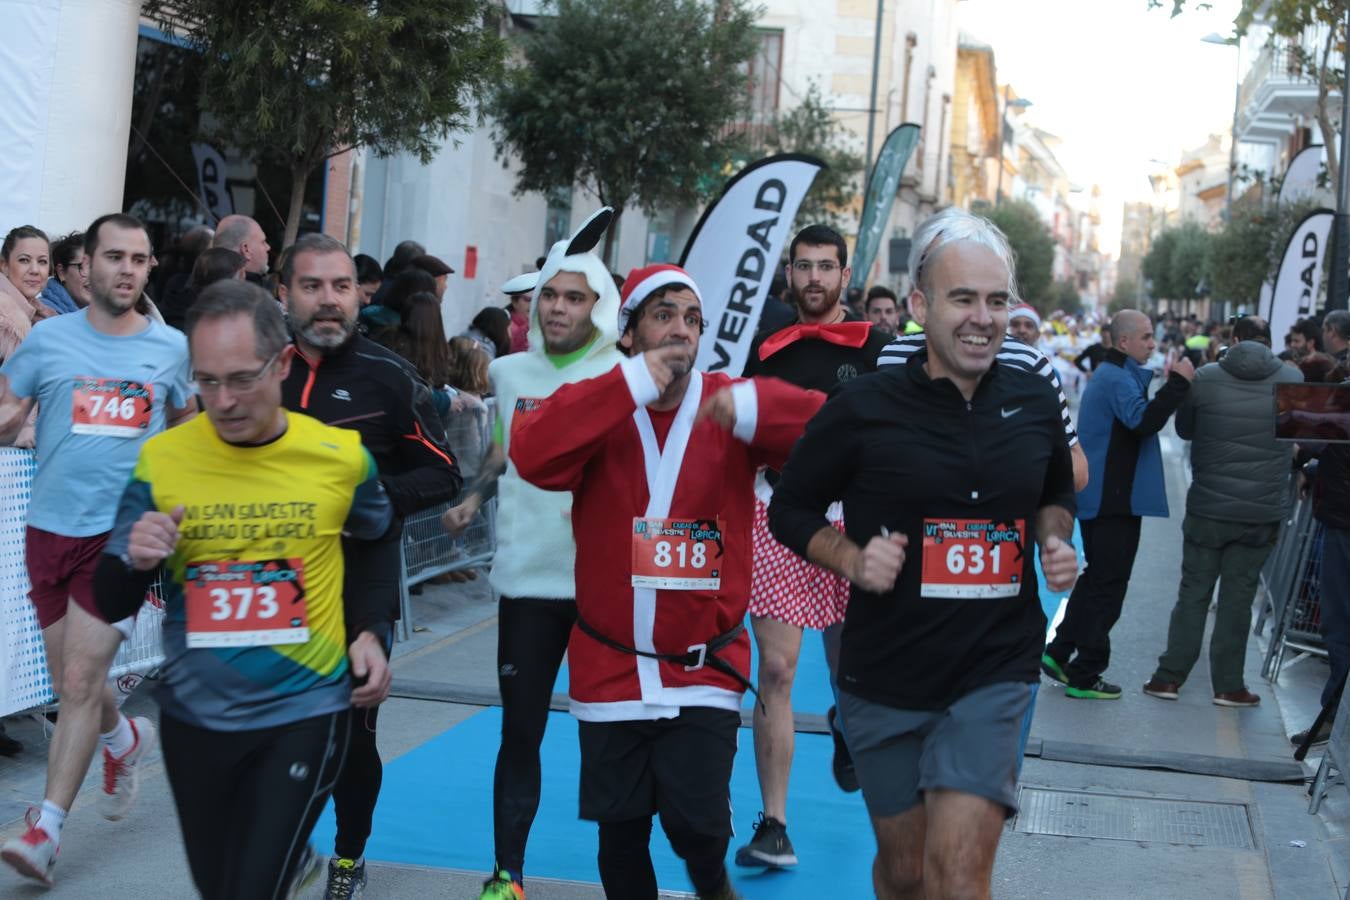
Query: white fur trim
x: 745, y: 398
x: 649, y: 284
x: 621, y: 711
x: 641, y: 386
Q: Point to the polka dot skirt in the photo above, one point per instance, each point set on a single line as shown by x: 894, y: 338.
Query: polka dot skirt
x: 785, y: 587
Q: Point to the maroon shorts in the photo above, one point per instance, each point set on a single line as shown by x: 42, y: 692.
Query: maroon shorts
x: 61, y: 569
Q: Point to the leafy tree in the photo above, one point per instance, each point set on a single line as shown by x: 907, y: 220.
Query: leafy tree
x: 1063, y: 296
x: 1289, y: 20
x: 811, y: 128
x: 300, y: 82
x: 1240, y: 253
x: 1032, y: 246
x: 631, y: 99
x: 1125, y: 296
x: 1176, y: 263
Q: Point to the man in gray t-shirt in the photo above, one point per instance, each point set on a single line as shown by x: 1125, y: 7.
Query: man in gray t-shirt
x: 104, y: 379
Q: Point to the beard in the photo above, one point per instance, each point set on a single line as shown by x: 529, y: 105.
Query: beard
x: 817, y: 304
x: 315, y: 333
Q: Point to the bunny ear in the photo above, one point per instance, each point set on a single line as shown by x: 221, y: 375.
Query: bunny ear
x: 588, y: 235
x: 521, y: 283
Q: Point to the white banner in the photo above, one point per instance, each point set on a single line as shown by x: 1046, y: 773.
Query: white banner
x: 734, y: 249
x: 211, y: 180
x: 1300, y: 275
x: 1300, y: 179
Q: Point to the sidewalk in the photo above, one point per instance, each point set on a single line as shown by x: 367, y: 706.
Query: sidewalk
x: 142, y: 858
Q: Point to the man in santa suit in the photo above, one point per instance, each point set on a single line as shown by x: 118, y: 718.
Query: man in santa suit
x: 661, y: 461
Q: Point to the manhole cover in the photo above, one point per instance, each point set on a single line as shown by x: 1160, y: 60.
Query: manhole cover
x: 1113, y: 817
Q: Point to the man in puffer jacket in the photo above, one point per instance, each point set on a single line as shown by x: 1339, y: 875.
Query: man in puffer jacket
x: 1238, y: 497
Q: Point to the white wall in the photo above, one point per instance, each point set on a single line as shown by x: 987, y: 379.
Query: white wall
x: 461, y: 199
x: 67, y: 69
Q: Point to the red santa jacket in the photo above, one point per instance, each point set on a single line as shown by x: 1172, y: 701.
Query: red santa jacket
x: 623, y: 462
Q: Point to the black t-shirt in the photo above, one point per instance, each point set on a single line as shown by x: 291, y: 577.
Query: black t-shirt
x: 818, y: 365
x: 899, y: 448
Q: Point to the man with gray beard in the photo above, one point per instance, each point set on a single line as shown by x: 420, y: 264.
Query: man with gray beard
x: 345, y: 379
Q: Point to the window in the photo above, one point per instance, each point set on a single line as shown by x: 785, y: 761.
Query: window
x: 766, y: 68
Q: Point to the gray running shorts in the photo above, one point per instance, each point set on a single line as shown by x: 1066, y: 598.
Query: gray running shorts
x: 971, y: 746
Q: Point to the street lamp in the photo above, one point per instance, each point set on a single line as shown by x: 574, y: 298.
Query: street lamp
x: 1019, y: 103
x: 1215, y: 38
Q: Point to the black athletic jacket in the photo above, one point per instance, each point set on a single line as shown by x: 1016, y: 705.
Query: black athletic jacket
x: 363, y: 386
x: 898, y: 448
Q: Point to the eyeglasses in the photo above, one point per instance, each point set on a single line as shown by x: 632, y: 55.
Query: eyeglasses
x: 237, y: 383
x: 825, y: 266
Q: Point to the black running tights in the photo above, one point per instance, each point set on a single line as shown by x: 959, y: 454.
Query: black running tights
x: 248, y: 800
x: 532, y: 637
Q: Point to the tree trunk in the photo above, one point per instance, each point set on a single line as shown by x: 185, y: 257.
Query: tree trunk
x: 1330, y: 136
x: 299, y: 176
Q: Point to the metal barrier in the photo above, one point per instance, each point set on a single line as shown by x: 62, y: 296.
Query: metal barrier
x: 1296, y: 597
x: 1336, y: 761
x: 142, y: 653
x: 427, y: 550
x: 1279, y: 567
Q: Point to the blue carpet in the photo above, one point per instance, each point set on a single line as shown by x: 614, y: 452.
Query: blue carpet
x: 436, y: 810
x: 436, y: 805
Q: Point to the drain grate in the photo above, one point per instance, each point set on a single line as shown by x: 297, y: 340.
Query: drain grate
x: 1118, y: 818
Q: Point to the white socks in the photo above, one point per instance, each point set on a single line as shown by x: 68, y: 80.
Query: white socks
x: 51, y: 820
x: 121, y: 739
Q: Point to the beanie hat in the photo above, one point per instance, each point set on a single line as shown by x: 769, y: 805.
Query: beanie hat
x: 1027, y: 311
x: 640, y: 283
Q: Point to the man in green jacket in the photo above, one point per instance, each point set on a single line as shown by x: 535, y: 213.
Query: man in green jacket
x: 1238, y: 497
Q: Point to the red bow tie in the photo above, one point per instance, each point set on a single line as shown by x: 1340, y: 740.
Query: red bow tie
x: 845, y: 334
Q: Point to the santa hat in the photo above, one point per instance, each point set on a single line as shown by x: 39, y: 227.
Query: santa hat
x: 1027, y: 311
x: 640, y: 283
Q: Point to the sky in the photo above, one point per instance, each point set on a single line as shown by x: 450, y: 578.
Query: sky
x: 1121, y: 84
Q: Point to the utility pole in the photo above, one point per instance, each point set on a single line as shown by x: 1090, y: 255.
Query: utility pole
x: 1338, y: 290
x: 869, y: 162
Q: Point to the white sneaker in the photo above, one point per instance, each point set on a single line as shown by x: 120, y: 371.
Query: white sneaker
x: 121, y: 776
x: 33, y: 854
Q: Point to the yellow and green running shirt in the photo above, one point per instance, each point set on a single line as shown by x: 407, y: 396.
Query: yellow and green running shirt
x: 254, y: 634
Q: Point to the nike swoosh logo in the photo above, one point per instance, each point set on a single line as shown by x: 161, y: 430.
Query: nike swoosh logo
x: 1010, y: 412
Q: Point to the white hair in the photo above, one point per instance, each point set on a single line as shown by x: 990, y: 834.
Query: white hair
x: 954, y: 224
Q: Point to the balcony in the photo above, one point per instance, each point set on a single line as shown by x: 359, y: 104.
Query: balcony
x: 1279, y: 89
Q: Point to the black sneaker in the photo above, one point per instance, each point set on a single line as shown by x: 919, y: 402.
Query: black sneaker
x: 844, y: 774
x: 1101, y: 689
x: 769, y: 848
x: 1323, y: 735
x: 1052, y: 668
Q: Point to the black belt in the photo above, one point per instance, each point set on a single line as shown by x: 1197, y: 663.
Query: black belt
x: 696, y: 657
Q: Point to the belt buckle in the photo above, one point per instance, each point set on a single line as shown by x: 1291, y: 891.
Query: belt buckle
x: 702, y: 656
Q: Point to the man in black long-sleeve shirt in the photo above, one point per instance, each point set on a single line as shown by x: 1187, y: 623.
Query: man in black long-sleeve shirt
x: 342, y: 378
x: 966, y: 463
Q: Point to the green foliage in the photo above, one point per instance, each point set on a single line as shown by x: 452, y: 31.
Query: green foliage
x: 1125, y: 296
x: 1033, y: 249
x: 297, y: 82
x: 1063, y: 296
x: 811, y: 128
x: 629, y: 98
x: 1177, y: 262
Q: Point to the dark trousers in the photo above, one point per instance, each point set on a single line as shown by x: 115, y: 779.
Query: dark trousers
x: 532, y: 637
x: 248, y: 800
x: 1335, y: 598
x: 1231, y: 553
x: 358, y: 786
x: 1082, y: 644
